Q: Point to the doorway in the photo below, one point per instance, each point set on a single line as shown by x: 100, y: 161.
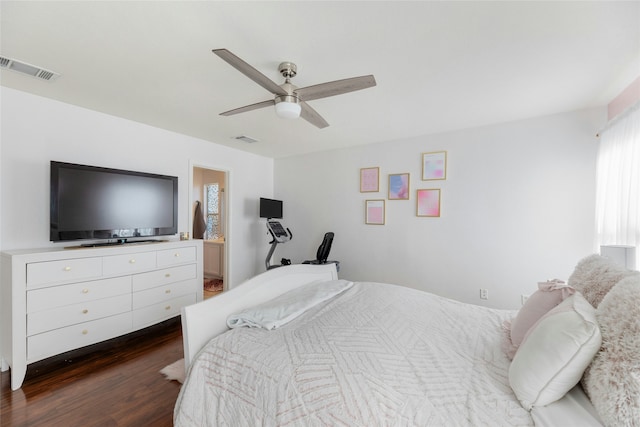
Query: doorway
x: 210, y: 194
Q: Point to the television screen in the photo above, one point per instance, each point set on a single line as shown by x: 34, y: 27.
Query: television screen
x: 90, y: 202
x: 270, y: 208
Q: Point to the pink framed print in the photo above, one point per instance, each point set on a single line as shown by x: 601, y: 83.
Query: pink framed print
x: 399, y: 186
x: 369, y: 180
x: 374, y: 212
x: 428, y: 202
x: 434, y: 165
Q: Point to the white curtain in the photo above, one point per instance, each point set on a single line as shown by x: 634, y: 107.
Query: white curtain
x: 618, y: 182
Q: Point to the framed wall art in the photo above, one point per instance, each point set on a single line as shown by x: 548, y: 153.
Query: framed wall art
x: 428, y: 202
x: 399, y: 186
x: 374, y: 212
x: 434, y: 165
x: 369, y: 180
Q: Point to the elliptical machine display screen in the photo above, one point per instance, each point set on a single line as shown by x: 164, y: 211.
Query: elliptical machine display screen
x: 278, y: 231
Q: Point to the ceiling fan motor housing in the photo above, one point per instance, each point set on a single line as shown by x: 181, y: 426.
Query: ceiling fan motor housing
x: 288, y: 69
x: 287, y: 98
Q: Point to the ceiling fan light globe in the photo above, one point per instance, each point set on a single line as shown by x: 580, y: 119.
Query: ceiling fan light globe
x: 288, y: 110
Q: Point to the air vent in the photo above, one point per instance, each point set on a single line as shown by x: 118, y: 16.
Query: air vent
x: 245, y: 138
x: 28, y: 69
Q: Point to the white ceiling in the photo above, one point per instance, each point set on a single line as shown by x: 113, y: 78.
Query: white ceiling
x: 440, y: 66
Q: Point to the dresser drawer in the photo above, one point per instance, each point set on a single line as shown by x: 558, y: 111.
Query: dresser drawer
x: 176, y: 256
x: 162, y: 311
x: 59, y: 296
x: 76, y: 336
x: 47, y: 320
x: 69, y: 270
x: 129, y: 263
x: 162, y: 277
x: 163, y: 293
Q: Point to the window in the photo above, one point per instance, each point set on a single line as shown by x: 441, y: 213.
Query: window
x: 213, y: 210
x: 618, y: 182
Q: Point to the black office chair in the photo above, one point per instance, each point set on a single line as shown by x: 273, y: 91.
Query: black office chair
x: 323, y: 250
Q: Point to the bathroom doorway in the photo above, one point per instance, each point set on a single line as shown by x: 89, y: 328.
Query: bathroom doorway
x: 210, y: 195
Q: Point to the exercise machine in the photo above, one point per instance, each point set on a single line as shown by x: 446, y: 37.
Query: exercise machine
x: 279, y: 235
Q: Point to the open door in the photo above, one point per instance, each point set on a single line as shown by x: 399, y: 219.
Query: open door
x: 209, y: 193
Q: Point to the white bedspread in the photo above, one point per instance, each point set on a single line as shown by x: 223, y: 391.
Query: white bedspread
x: 376, y: 355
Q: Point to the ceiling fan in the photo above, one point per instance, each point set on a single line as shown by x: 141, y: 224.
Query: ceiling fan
x: 291, y: 101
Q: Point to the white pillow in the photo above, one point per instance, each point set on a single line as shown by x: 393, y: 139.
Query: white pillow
x: 555, y: 353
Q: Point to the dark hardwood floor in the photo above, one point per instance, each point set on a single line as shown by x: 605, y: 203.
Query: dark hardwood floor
x: 114, y: 383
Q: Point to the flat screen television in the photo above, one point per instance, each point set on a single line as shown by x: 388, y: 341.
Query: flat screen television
x: 91, y: 202
x: 270, y: 208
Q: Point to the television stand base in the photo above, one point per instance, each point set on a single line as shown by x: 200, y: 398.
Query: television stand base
x: 118, y: 242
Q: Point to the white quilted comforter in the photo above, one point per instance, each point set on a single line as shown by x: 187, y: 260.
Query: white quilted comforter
x: 377, y: 355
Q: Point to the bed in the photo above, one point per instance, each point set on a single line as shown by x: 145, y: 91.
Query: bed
x: 370, y: 354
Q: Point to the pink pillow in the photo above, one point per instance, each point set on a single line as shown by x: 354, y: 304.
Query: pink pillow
x: 548, y: 295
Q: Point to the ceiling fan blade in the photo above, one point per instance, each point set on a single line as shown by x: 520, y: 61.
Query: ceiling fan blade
x: 312, y: 116
x: 250, y: 72
x: 262, y: 104
x: 336, y: 87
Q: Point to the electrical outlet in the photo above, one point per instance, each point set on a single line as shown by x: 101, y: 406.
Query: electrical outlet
x: 484, y: 293
x: 524, y: 298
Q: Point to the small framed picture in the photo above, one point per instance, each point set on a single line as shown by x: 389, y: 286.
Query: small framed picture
x: 434, y: 165
x: 374, y: 212
x: 399, y: 186
x: 370, y: 180
x: 428, y: 202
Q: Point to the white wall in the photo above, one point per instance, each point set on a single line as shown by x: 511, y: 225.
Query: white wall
x: 36, y: 130
x: 517, y: 208
x: 517, y: 205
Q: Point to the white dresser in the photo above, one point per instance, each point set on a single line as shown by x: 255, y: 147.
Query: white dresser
x: 56, y: 300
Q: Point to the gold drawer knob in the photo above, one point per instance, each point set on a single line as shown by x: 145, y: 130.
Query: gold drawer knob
x: 85, y: 311
x: 176, y: 255
x: 168, y: 291
x: 67, y: 268
x: 85, y: 332
x: 167, y: 275
x: 85, y: 291
x: 168, y: 307
x: 132, y: 261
